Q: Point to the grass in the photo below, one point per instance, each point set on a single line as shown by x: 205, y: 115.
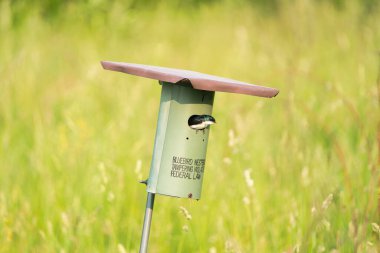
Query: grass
x: 75, y: 139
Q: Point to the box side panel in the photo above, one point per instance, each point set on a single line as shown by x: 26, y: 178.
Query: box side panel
x: 163, y: 115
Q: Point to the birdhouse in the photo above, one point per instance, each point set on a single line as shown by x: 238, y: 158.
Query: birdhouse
x: 183, y: 126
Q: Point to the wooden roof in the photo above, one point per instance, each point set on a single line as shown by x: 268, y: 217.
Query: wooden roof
x: 198, y: 80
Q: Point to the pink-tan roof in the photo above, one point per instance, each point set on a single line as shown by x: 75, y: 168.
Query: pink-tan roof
x: 198, y: 80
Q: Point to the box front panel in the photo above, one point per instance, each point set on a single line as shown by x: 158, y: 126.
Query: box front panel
x: 184, y: 149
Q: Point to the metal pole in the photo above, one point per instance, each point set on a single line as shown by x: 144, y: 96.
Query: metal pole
x: 147, y: 221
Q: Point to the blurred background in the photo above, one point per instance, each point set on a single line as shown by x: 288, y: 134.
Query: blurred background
x: 296, y: 173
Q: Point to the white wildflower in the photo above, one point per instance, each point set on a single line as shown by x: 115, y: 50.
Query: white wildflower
x: 185, y: 213
x: 65, y: 219
x: 326, y: 203
x: 247, y: 175
x: 138, y: 169
x: 231, y: 138
x: 228, y: 245
x: 227, y: 160
x: 65, y: 222
x: 375, y: 227
x: 321, y: 249
x: 296, y: 249
x: 101, y: 167
x: 326, y: 224
x: 231, y: 246
x: 313, y: 210
x: 121, y: 248
x: 246, y: 200
x: 110, y: 196
x: 212, y: 250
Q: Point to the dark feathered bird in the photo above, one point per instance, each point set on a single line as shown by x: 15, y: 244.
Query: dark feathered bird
x: 200, y: 122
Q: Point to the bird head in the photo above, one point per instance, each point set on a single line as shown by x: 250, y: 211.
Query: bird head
x: 208, y: 119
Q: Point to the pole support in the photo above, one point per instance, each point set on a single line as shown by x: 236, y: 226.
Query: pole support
x: 147, y: 222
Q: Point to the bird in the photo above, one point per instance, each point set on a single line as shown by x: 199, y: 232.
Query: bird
x: 200, y: 122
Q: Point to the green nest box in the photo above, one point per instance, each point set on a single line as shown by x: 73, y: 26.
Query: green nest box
x: 179, y: 155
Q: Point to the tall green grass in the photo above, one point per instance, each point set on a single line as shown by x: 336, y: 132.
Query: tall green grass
x: 297, y: 173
